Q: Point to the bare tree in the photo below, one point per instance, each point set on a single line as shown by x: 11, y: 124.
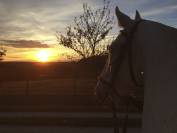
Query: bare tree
x: 88, y: 31
x: 2, y: 53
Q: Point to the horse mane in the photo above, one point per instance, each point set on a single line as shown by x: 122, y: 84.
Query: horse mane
x: 167, y: 29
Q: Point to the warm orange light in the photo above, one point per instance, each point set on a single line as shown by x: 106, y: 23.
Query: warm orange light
x: 43, y: 56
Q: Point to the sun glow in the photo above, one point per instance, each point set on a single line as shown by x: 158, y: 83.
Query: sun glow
x: 43, y: 56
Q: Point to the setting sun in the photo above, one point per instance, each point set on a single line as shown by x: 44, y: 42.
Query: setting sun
x: 43, y: 56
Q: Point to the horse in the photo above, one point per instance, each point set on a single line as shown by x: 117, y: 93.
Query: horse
x: 153, y: 48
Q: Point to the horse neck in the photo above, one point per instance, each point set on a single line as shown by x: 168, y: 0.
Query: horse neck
x: 159, y: 46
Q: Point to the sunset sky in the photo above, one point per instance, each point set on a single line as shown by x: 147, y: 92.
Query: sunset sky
x: 29, y: 26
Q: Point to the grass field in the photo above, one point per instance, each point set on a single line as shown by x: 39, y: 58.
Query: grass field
x: 48, y: 87
x: 51, y: 95
x: 28, y: 87
x: 47, y: 95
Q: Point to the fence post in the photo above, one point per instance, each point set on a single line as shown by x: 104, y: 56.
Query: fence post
x: 75, y: 78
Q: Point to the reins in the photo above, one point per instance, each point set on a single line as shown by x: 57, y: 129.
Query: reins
x: 125, y: 48
x: 130, y: 56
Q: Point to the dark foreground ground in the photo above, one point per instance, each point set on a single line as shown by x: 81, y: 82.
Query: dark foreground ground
x: 61, y: 113
x: 56, y: 129
x: 57, y: 97
x: 37, y: 108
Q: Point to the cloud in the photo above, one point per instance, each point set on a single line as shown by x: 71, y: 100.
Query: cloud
x: 29, y: 19
x: 160, y: 10
x: 24, y: 44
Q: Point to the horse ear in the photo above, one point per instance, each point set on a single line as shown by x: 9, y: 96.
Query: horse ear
x: 137, y: 16
x: 123, y: 20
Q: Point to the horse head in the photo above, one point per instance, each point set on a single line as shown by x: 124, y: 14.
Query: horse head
x: 122, y: 80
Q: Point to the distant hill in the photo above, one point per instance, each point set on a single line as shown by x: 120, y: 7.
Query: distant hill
x: 94, y: 60
x: 91, y: 66
x: 87, y: 68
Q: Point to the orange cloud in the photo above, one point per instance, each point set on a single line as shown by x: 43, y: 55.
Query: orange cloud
x: 24, y: 44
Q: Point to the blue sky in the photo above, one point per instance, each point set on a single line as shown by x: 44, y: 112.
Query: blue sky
x: 38, y: 20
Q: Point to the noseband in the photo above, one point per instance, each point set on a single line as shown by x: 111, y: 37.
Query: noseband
x: 111, y: 85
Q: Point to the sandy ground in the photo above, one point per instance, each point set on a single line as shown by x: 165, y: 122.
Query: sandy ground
x: 4, y: 128
x: 65, y: 114
x: 55, y: 129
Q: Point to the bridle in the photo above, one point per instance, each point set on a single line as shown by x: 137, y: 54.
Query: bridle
x: 124, y: 49
x: 111, y: 85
